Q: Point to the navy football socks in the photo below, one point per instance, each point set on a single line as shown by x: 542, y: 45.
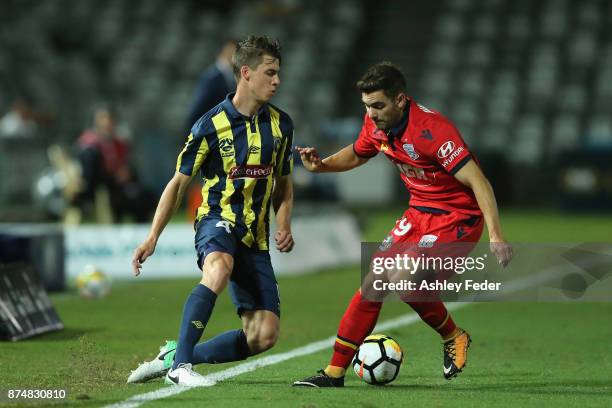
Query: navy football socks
x: 223, y: 348
x: 197, y: 311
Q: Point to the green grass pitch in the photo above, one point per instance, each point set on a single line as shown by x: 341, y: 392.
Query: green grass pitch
x: 523, y: 354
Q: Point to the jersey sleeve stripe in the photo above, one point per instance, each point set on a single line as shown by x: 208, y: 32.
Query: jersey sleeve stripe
x: 284, y: 163
x: 460, y: 165
x: 200, y: 155
x: 186, y: 159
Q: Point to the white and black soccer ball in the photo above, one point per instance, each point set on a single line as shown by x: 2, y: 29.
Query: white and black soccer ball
x: 378, y: 359
x: 92, y: 283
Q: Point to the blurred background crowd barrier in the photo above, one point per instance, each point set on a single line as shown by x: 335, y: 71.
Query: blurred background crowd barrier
x: 528, y: 84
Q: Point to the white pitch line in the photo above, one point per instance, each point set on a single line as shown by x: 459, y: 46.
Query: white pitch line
x: 253, y: 365
x: 404, y: 320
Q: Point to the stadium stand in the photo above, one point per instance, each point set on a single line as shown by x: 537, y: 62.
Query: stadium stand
x: 525, y: 78
x: 145, y: 57
x: 522, y: 80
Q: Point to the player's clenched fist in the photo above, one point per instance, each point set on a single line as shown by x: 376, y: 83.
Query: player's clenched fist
x: 284, y: 240
x: 310, y: 158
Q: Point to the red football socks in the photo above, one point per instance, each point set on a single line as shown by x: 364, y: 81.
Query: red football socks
x: 436, y: 316
x: 360, y: 318
x: 357, y: 323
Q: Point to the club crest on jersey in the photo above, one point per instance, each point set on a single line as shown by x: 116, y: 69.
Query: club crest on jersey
x: 409, y: 149
x: 226, y: 147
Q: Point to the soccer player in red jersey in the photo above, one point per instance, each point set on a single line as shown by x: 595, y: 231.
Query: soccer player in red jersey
x: 450, y: 199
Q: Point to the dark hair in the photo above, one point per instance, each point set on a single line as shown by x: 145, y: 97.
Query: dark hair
x: 251, y: 50
x: 383, y: 76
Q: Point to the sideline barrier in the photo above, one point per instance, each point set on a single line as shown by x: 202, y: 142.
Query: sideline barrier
x: 321, y: 242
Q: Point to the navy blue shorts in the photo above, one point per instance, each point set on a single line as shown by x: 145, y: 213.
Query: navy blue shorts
x: 252, y: 285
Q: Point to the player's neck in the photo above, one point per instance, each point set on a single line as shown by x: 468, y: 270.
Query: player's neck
x: 245, y: 103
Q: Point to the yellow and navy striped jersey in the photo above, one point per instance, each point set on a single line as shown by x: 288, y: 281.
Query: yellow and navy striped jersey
x: 239, y: 159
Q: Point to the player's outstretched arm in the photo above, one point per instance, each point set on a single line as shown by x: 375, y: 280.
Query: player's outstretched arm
x: 168, y: 203
x: 343, y: 160
x: 282, y: 201
x: 471, y: 176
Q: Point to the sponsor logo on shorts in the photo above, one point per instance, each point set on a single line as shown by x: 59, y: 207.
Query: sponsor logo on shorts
x: 386, y: 244
x: 250, y: 171
x: 427, y: 241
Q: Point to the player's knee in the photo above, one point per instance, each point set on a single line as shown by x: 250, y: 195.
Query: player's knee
x: 262, y: 337
x: 219, y: 269
x: 216, y: 271
x: 265, y: 340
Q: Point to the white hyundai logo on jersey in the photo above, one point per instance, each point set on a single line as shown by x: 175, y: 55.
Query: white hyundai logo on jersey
x: 446, y: 149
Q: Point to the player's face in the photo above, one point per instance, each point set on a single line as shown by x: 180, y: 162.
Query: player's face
x: 384, y: 111
x: 104, y: 123
x: 264, y: 80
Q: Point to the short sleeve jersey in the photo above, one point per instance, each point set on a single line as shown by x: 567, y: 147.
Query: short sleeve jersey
x: 428, y: 151
x: 239, y: 159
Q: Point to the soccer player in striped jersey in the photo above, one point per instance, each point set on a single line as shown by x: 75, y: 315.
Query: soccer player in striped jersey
x: 243, y: 151
x: 450, y: 200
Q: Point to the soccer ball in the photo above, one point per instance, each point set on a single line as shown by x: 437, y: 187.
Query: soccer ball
x: 378, y: 359
x: 93, y: 283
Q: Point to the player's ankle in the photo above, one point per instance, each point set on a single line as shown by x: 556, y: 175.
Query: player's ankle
x: 452, y: 334
x: 335, y: 372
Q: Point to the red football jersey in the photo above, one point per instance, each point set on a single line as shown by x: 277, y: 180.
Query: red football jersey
x: 428, y: 150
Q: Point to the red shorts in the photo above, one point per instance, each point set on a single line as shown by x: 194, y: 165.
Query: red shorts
x: 427, y: 229
x: 429, y: 235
